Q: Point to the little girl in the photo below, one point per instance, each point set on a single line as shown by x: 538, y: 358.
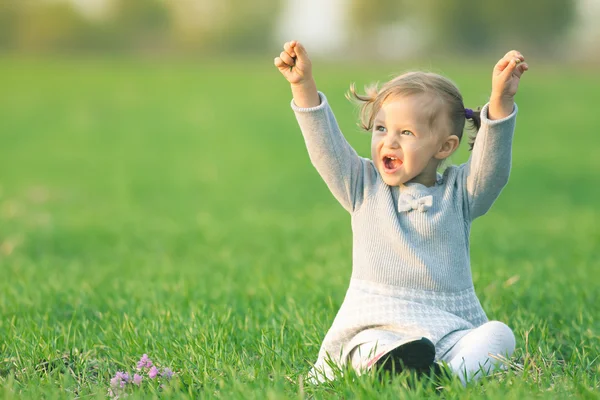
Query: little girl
x: 411, y: 302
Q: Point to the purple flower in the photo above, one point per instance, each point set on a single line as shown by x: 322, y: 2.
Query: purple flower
x: 124, y: 377
x: 153, y: 372
x: 120, y: 379
x: 167, y: 373
x: 144, y: 362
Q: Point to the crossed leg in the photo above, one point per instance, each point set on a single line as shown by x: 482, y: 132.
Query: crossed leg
x: 470, y: 357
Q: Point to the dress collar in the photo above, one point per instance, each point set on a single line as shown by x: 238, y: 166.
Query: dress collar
x: 418, y: 189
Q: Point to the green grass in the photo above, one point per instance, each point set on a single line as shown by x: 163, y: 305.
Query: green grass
x: 171, y: 209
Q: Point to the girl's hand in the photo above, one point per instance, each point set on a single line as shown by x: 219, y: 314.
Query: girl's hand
x: 294, y: 64
x: 505, y: 82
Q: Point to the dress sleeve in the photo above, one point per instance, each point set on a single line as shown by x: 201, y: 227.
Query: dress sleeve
x: 486, y: 172
x: 343, y: 170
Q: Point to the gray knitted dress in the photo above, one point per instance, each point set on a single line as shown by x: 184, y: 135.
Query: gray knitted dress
x: 411, y: 274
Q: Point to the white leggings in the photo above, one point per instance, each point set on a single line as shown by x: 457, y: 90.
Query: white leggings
x: 470, y: 358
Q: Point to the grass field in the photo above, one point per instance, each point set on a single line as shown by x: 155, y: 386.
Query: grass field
x: 171, y: 209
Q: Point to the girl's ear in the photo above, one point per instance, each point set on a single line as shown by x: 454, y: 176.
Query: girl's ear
x: 448, y: 147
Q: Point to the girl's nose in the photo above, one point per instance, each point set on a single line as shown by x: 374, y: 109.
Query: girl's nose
x: 391, y: 141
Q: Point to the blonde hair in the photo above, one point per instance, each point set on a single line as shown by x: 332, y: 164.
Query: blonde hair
x: 443, y: 91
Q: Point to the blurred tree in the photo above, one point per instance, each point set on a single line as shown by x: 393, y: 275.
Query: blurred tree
x: 369, y: 14
x: 197, y: 26
x: 225, y: 26
x: 239, y: 26
x: 467, y: 26
x: 369, y: 17
x: 45, y: 27
x: 9, y: 21
x: 476, y: 26
x: 140, y: 26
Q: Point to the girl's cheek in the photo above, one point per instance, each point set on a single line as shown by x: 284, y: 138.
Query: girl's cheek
x: 412, y: 145
x: 375, y: 139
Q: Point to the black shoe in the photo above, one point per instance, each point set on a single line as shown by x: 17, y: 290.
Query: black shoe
x: 436, y: 370
x: 417, y: 354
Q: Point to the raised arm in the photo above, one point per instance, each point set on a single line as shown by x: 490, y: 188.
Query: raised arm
x: 488, y: 168
x: 342, y: 169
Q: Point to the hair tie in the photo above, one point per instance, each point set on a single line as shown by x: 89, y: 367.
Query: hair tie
x: 468, y: 113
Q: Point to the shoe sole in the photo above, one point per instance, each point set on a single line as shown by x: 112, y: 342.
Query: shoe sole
x: 417, y: 355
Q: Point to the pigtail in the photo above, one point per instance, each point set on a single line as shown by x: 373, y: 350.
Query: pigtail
x: 366, y: 103
x: 474, y: 119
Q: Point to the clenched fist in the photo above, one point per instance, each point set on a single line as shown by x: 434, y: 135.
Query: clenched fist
x: 505, y: 82
x: 294, y: 64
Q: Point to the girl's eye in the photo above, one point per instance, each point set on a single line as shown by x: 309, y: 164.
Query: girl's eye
x: 405, y: 132
x: 380, y: 128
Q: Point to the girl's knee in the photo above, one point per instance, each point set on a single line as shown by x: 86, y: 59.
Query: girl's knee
x: 499, y: 335
x: 497, y: 327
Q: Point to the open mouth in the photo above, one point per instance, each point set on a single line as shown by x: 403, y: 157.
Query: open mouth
x: 391, y: 164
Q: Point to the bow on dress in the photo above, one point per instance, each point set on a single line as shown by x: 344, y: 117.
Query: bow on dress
x: 407, y: 203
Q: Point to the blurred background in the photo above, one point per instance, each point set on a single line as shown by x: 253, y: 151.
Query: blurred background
x: 393, y: 29
x: 129, y: 123
x: 124, y: 118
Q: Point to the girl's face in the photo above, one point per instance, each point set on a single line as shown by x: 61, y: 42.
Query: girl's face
x: 404, y: 145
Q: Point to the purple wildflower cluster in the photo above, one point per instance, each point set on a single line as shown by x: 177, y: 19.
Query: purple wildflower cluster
x: 145, y: 367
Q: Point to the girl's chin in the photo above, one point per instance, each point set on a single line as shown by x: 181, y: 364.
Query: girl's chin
x: 392, y: 180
